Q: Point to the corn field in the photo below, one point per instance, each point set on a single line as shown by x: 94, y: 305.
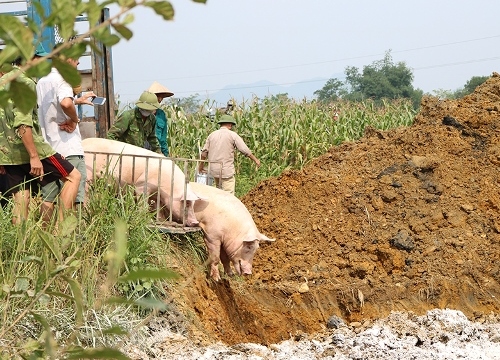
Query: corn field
x: 283, y: 133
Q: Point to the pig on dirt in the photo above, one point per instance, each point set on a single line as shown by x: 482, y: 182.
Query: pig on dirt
x: 147, y: 171
x: 229, y: 230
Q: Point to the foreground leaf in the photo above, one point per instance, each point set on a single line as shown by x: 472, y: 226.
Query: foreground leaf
x: 50, y: 342
x: 12, y: 30
x: 68, y: 72
x: 23, y: 96
x: 146, y: 303
x: 77, y: 296
x: 151, y: 274
x: 162, y: 8
x: 124, y: 31
x: 115, y: 330
x: 101, y: 353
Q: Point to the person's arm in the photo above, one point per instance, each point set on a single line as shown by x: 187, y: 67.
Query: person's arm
x: 120, y: 126
x: 255, y: 160
x: 203, y: 156
x: 162, y: 130
x: 69, y: 108
x: 26, y: 135
x: 153, y: 141
x: 243, y: 148
x: 161, y: 135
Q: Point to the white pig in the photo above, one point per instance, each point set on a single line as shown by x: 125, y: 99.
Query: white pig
x: 229, y: 230
x: 140, y: 167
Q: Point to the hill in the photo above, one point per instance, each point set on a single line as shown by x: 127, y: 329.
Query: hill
x: 261, y: 89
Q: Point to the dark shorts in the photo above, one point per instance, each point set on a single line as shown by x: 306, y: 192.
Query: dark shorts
x: 54, y: 168
x: 50, y: 192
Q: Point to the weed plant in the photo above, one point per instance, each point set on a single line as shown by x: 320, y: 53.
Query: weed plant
x: 55, y: 289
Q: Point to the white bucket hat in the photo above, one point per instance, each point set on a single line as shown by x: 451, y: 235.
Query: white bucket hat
x: 157, y: 88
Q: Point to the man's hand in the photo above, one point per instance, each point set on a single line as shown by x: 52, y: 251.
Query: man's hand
x: 85, y: 99
x: 255, y: 160
x: 2, y: 170
x: 36, y: 167
x: 68, y: 126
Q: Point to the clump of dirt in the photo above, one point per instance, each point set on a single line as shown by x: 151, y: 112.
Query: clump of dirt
x: 406, y: 220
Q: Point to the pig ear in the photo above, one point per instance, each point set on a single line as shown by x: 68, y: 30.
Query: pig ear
x: 191, y: 195
x: 263, y: 237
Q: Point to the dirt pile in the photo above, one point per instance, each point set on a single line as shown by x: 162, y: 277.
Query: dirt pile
x: 407, y: 219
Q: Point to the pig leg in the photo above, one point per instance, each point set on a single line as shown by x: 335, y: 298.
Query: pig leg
x: 213, y: 257
x: 225, y: 262
x: 150, y: 196
x: 142, y: 187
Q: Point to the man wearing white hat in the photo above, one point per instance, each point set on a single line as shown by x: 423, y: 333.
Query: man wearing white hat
x: 161, y: 129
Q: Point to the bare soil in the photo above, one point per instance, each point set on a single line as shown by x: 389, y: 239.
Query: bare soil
x: 402, y: 220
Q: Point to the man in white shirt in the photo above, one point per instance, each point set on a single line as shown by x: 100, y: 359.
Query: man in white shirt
x: 59, y: 120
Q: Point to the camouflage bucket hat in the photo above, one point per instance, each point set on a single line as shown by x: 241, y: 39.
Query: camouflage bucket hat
x: 148, y: 101
x: 226, y: 119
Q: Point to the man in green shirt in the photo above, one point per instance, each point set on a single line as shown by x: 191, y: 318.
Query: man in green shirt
x: 136, y: 126
x: 25, y: 156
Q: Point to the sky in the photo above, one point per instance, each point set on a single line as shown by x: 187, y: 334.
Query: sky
x: 235, y: 43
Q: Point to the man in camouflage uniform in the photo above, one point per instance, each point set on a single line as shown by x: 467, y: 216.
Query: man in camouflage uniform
x: 138, y: 125
x: 25, y: 156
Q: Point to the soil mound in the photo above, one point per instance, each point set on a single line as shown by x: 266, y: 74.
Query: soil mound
x: 403, y: 220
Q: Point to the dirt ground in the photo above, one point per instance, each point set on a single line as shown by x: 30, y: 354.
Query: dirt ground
x: 406, y: 219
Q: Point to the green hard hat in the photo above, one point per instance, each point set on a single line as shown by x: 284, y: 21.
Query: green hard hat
x: 148, y: 101
x: 226, y: 119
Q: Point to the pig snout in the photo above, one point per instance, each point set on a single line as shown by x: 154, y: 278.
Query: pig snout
x: 243, y: 267
x: 191, y: 220
x: 246, y: 268
x: 178, y: 212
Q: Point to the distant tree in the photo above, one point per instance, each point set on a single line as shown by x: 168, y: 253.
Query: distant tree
x: 278, y: 97
x: 443, y: 94
x: 189, y: 104
x: 470, y: 86
x: 332, y: 90
x: 467, y: 89
x: 381, y: 80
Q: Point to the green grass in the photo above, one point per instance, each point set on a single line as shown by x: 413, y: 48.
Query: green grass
x: 64, y: 282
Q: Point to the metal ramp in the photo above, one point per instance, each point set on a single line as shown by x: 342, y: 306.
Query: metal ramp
x: 170, y: 227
